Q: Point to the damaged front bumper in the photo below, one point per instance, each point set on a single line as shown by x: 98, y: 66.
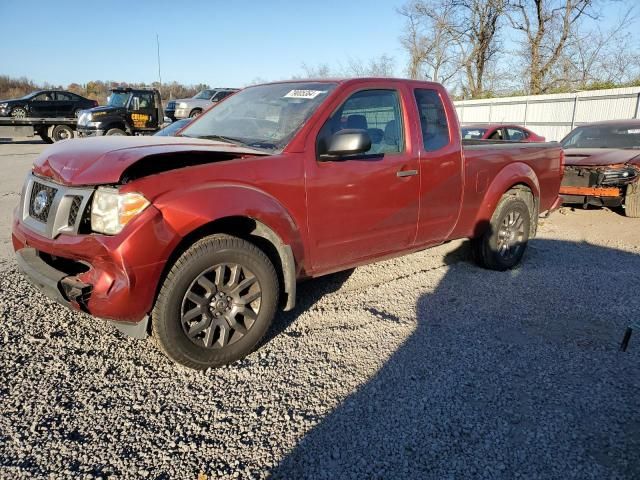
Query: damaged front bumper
x: 599, y: 185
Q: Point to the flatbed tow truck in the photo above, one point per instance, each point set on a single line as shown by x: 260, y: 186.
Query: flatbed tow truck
x: 48, y: 129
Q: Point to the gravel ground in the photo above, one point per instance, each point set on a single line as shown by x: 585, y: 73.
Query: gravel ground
x: 420, y: 367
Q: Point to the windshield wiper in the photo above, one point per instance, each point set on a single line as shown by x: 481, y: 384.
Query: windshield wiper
x: 221, y: 138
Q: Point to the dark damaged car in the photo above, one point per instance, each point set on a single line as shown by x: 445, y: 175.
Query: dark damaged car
x: 603, y: 166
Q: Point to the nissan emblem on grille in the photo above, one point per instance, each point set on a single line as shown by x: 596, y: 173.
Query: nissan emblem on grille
x: 40, y: 202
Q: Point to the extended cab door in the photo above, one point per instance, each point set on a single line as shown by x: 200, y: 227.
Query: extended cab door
x: 441, y: 166
x: 365, y: 205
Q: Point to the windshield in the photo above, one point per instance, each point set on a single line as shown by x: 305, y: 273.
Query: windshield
x: 473, y: 133
x: 603, y: 136
x: 266, y: 116
x: 118, y: 99
x: 204, y: 94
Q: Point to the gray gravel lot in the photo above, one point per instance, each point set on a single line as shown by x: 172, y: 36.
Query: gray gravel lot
x: 420, y: 367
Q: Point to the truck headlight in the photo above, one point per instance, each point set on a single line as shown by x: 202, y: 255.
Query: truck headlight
x: 112, y: 210
x: 182, y: 105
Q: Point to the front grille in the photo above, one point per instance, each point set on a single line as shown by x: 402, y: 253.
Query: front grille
x: 75, y: 208
x: 50, y: 208
x: 40, y: 210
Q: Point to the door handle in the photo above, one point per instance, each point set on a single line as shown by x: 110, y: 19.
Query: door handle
x: 406, y: 173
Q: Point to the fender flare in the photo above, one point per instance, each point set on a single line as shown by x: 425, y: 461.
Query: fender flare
x: 516, y: 173
x: 192, y: 210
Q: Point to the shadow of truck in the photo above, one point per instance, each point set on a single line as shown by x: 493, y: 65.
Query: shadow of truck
x: 507, y: 375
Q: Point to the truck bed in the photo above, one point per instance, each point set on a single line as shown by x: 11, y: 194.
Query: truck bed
x: 485, y: 160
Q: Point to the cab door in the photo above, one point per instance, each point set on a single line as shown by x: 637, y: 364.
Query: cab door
x: 441, y: 168
x: 142, y: 113
x: 365, y: 205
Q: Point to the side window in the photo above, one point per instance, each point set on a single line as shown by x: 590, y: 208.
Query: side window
x: 65, y: 97
x: 219, y: 96
x: 433, y: 120
x: 377, y: 112
x: 516, y: 134
x: 145, y: 99
x: 496, y: 135
x: 43, y: 97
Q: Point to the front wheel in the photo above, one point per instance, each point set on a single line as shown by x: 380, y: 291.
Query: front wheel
x: 503, y: 244
x: 195, y: 113
x: 632, y: 200
x: 115, y: 131
x: 217, y: 302
x: 19, y: 112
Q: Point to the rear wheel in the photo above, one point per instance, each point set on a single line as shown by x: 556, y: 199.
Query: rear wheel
x: 61, y: 132
x: 115, y: 131
x: 195, y: 113
x: 19, y: 112
x: 216, y: 303
x: 632, y: 201
x: 502, y: 246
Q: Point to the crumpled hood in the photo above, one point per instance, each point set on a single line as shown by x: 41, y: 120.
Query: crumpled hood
x: 102, y: 160
x: 594, y: 157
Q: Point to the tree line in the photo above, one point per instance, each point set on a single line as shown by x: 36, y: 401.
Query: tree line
x: 488, y: 48
x: 484, y: 48
x: 94, y: 90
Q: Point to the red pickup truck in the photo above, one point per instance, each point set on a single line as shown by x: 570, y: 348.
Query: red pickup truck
x: 200, y: 238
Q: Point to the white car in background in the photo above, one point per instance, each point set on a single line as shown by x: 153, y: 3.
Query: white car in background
x: 192, y: 107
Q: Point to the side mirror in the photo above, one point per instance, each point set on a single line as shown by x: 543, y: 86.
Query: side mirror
x: 350, y: 141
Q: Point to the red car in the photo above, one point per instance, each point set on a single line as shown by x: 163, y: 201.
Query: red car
x: 489, y: 131
x: 201, y: 237
x: 603, y: 165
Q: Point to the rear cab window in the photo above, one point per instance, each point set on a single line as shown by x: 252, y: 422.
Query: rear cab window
x: 433, y: 119
x: 377, y: 112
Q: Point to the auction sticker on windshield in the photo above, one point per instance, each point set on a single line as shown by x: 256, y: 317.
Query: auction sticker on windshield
x: 304, y: 93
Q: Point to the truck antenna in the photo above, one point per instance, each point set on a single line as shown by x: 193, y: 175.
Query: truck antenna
x: 158, y: 44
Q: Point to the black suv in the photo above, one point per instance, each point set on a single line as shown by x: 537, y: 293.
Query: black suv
x: 47, y: 104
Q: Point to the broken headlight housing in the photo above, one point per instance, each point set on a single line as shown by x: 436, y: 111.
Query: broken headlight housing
x: 618, y: 176
x: 112, y: 210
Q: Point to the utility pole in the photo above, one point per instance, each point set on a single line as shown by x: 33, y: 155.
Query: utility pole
x: 158, y: 45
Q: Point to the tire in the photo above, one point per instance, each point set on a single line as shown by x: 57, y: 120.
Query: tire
x: 632, y: 200
x: 195, y: 113
x: 115, y: 131
x: 503, y: 244
x: 202, y: 280
x: 61, y: 132
x: 19, y: 112
x: 45, y: 138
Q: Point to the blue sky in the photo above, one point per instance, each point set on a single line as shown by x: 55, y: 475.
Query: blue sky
x: 222, y: 43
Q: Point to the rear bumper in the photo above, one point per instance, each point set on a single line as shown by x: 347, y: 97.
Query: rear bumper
x: 110, y: 277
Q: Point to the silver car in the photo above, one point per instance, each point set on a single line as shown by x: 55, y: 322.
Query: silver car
x: 192, y: 107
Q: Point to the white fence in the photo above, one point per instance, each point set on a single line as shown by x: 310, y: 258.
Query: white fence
x: 553, y: 116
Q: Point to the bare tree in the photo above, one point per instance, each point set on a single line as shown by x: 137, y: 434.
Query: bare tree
x: 445, y: 37
x: 547, y: 26
x: 431, y: 41
x: 602, y: 56
x: 381, y: 66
